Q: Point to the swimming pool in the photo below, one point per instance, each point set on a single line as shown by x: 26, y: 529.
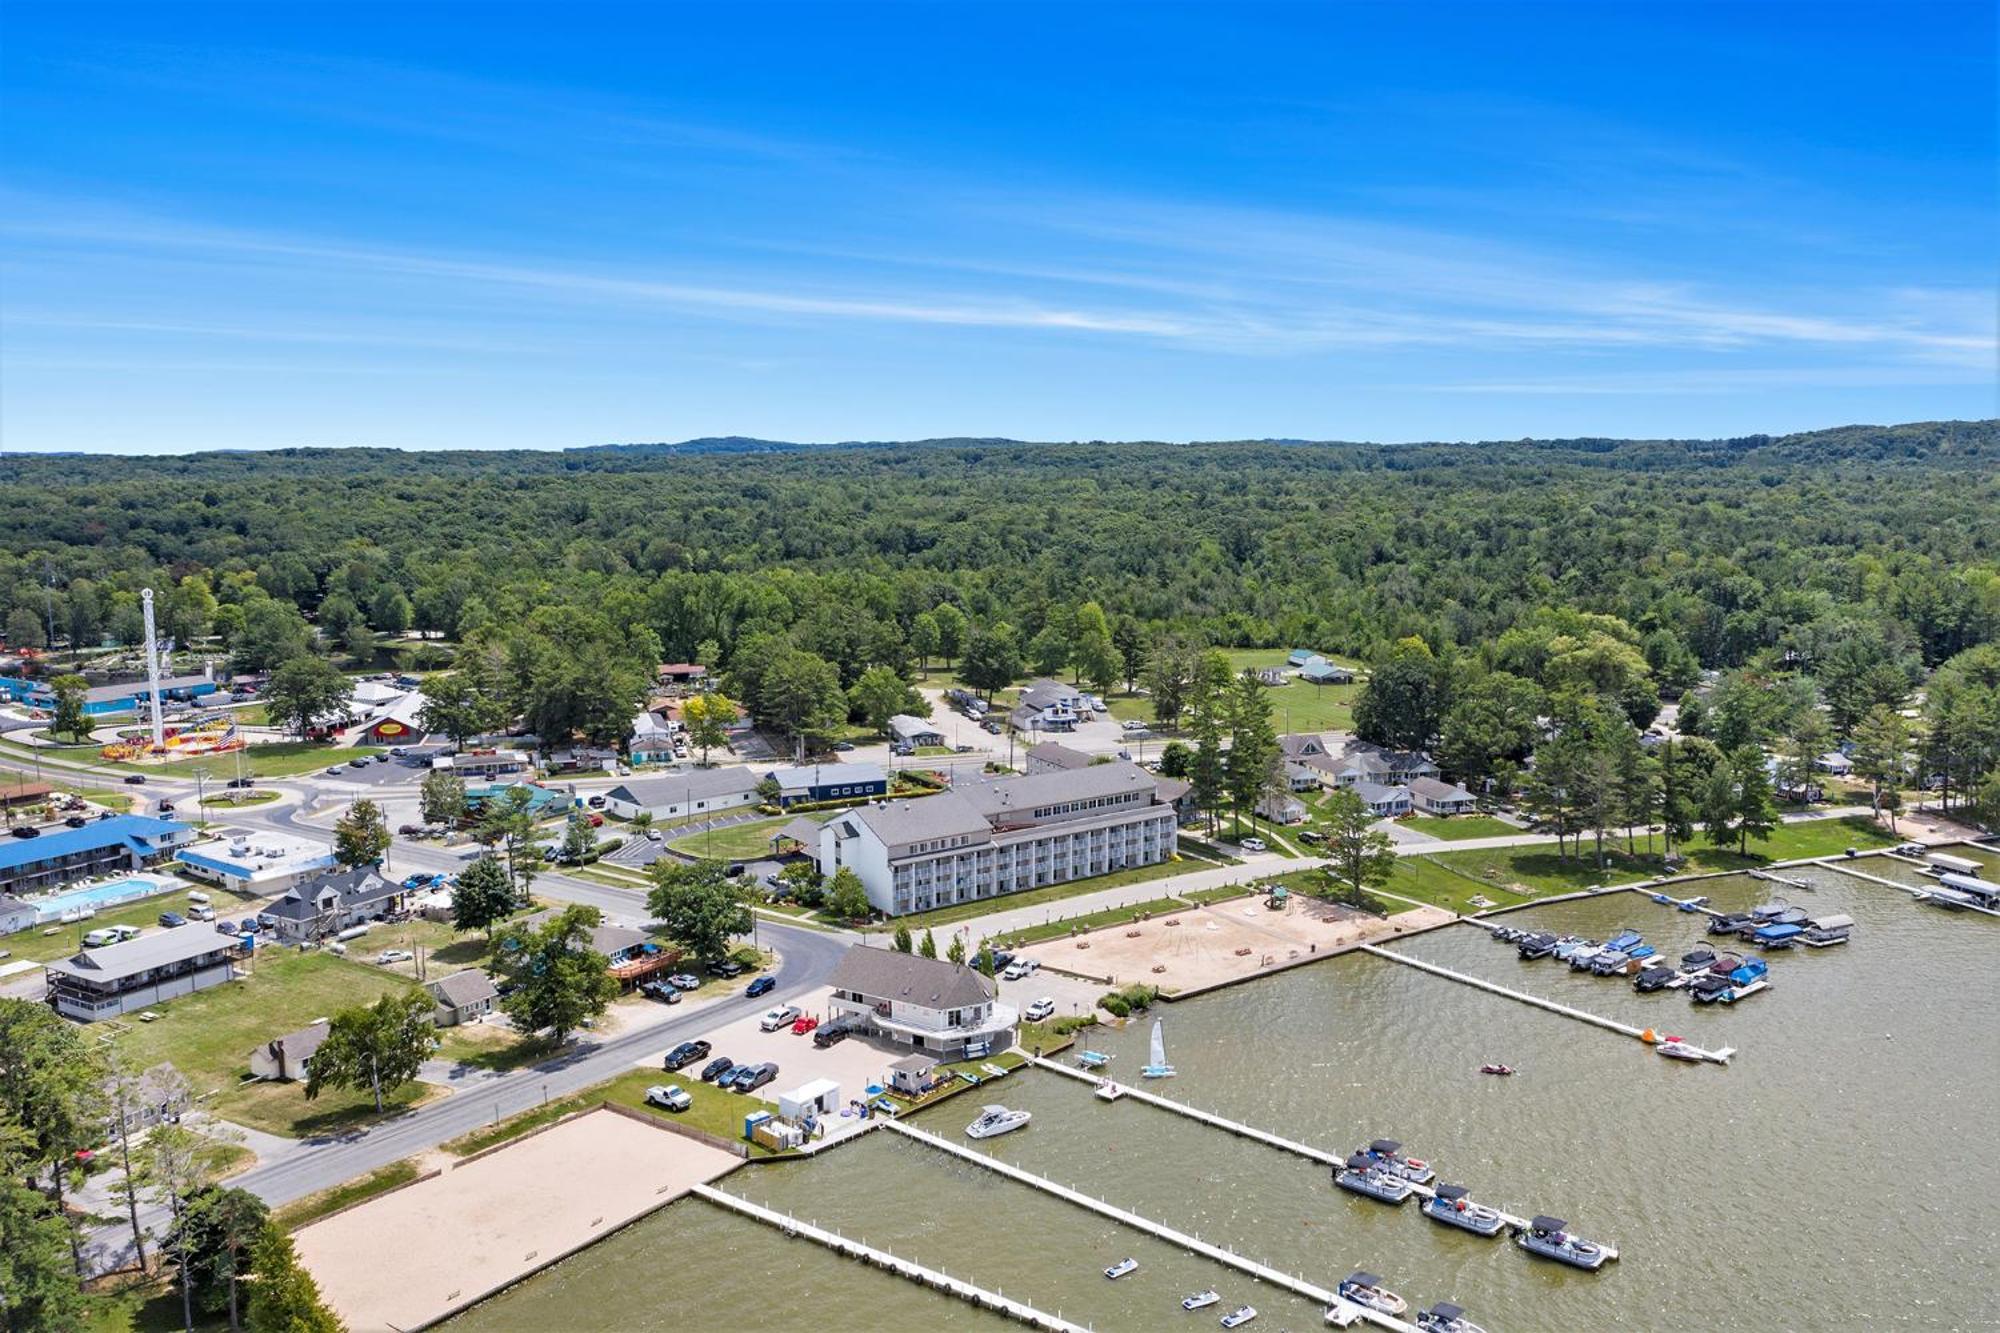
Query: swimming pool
x: 98, y: 896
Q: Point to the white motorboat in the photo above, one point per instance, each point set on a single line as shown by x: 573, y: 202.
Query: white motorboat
x: 996, y: 1120
x: 1367, y: 1291
x: 1122, y: 1268
x: 1675, y: 1048
x: 1240, y: 1316
x: 1201, y: 1300
x: 1158, y: 1066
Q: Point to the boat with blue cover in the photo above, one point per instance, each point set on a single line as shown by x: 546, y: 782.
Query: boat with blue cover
x: 1778, y: 936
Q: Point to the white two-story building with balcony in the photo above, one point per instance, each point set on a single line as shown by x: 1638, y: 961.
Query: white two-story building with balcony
x: 944, y: 1009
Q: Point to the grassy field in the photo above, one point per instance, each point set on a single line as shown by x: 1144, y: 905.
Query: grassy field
x: 736, y: 842
x: 1053, y: 893
x: 209, y: 1035
x: 145, y: 913
x: 1421, y: 878
x: 131, y: 1304
x: 280, y: 759
x: 1459, y: 828
x: 719, y: 1113
x: 1110, y: 916
x: 315, y: 1206
x: 1539, y: 870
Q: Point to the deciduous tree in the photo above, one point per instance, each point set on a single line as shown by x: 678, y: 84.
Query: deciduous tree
x: 558, y: 979
x: 377, y: 1046
x: 698, y: 905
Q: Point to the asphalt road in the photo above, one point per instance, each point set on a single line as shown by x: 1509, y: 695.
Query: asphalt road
x: 807, y: 958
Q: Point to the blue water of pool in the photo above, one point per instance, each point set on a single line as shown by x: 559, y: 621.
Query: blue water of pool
x: 97, y: 895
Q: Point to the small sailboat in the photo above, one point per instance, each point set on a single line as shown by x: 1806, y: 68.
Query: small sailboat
x: 1201, y: 1300
x: 1092, y: 1059
x: 1158, y: 1066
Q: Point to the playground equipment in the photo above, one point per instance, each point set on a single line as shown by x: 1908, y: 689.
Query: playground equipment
x: 214, y: 733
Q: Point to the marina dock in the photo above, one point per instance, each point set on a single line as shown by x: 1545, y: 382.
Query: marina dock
x: 1720, y: 1057
x: 1339, y: 1310
x: 1831, y: 863
x: 916, y: 1272
x: 1264, y: 1136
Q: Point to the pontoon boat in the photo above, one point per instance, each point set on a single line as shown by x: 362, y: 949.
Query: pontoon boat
x: 1697, y: 958
x: 1451, y: 1206
x: 1653, y: 978
x: 1828, y: 930
x: 1364, y: 1175
x: 1549, y: 1238
x: 1444, y: 1317
x: 1390, y: 1154
x: 1728, y: 923
x: 1539, y: 945
x: 1567, y: 946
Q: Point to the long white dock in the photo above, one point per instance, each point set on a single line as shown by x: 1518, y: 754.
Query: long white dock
x: 1832, y: 864
x: 916, y: 1272
x: 1720, y: 1057
x: 1338, y: 1309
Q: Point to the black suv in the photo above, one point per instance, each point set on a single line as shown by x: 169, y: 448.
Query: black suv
x: 685, y: 1054
x: 826, y: 1037
x: 717, y: 1067
x: 724, y: 967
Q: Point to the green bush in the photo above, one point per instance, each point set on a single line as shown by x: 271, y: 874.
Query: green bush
x: 1114, y: 1004
x: 1133, y: 999
x: 1069, y: 1023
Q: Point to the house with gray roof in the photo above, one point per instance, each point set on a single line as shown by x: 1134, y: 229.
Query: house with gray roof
x: 287, y: 1058
x: 1383, y: 800
x: 981, y: 839
x: 140, y: 973
x: 325, y: 906
x: 462, y: 997
x: 914, y: 732
x: 1323, y: 672
x: 694, y: 791
x: 936, y: 1007
x: 1441, y: 798
x: 811, y: 783
x: 1048, y: 705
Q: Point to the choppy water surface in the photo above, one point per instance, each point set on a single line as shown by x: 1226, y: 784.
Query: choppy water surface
x: 1842, y: 1170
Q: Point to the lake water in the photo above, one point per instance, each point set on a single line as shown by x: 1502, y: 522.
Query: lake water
x: 1841, y: 1170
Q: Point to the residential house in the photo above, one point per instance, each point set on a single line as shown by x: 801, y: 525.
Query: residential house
x: 255, y: 863
x: 935, y: 1007
x: 1383, y: 801
x: 984, y: 838
x: 122, y: 842
x: 913, y: 732
x: 18, y: 792
x: 1324, y: 672
x: 140, y: 973
x: 462, y: 997
x: 326, y: 905
x: 1281, y: 808
x: 1433, y: 797
x: 694, y: 791
x: 1300, y: 746
x: 1048, y: 705
x: 1300, y: 657
x: 684, y: 677
x: 812, y: 783
x: 288, y: 1059
x: 630, y: 955
x: 1299, y: 778
x: 1367, y: 763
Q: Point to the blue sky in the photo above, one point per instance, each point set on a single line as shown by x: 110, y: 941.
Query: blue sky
x: 253, y: 226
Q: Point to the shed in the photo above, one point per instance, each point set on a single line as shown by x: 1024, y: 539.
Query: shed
x: 819, y: 1097
x: 912, y: 1074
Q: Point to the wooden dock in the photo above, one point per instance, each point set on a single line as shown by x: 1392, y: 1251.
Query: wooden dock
x: 1720, y: 1057
x: 936, y: 1279
x: 1338, y: 1309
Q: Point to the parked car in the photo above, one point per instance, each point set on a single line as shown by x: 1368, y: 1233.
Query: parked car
x: 661, y: 991
x: 595, y: 802
x: 241, y: 783
x: 683, y: 1055
x: 1911, y: 849
x: 361, y: 762
x: 596, y: 820
x: 652, y: 835
x: 202, y: 913
x: 1020, y: 967
x: 1253, y: 845
x: 826, y: 1037
x: 990, y: 728
x: 25, y: 831
x: 1039, y: 1010
x: 724, y: 967
x: 166, y: 807
x: 683, y: 981
x: 761, y: 986
x: 388, y: 956
x: 843, y: 746
x: 752, y: 1077
x: 669, y: 1097
x: 713, y: 1071
x: 172, y: 919
x: 75, y: 821
x: 336, y: 770
x: 782, y: 1017
x: 409, y: 830
x: 1310, y: 836
x: 803, y: 1024
x: 135, y: 779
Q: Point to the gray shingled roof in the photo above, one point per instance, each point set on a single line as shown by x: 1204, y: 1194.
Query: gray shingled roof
x: 1004, y: 796
x: 1438, y: 791
x: 1057, y: 755
x: 463, y: 988
x: 921, y: 819
x: 161, y: 948
x: 1043, y: 693
x: 1374, y: 793
x: 697, y: 784
x: 931, y: 983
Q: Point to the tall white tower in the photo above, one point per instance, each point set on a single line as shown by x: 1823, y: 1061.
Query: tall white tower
x: 153, y: 668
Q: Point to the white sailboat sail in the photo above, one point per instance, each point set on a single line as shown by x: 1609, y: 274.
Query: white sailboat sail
x: 1159, y: 1068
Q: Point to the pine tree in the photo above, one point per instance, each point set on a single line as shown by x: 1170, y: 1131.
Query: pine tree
x: 903, y: 943
x: 283, y: 1296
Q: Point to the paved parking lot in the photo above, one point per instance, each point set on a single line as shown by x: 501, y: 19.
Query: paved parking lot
x: 853, y: 1064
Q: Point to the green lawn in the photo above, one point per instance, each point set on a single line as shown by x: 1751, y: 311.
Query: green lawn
x: 38, y: 947
x: 737, y: 842
x: 279, y: 759
x: 1539, y: 870
x: 1053, y: 893
x: 132, y: 1304
x: 1420, y: 878
x: 1459, y: 828
x: 717, y: 1112
x: 209, y: 1035
x: 1110, y: 916
x: 1295, y: 706
x: 315, y: 1206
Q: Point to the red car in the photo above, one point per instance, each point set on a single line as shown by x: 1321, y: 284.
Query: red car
x: 806, y: 1023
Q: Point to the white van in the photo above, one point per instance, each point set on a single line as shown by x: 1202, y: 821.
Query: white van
x: 97, y: 939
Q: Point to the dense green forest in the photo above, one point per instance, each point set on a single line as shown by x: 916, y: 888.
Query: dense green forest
x: 1792, y: 591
